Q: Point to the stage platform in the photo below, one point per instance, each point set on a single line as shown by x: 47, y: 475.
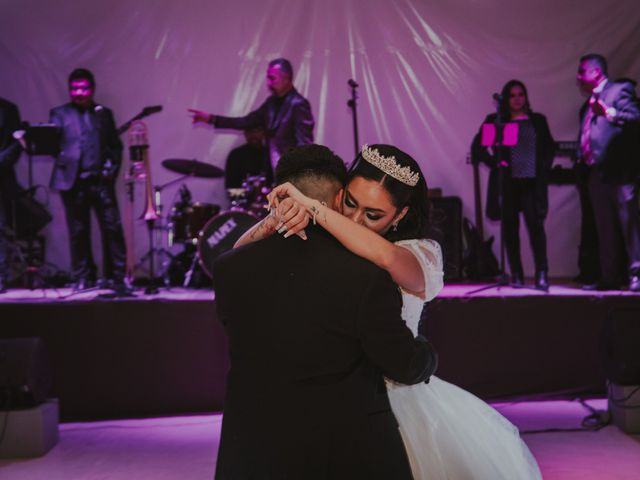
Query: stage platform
x: 167, y: 353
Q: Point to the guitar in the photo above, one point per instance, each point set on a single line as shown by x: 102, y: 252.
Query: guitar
x: 479, y: 260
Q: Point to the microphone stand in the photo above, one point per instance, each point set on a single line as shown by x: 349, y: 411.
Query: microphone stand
x: 503, y: 278
x: 130, y: 190
x: 146, y: 111
x: 353, y: 105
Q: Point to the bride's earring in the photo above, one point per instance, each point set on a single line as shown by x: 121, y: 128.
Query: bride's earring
x: 394, y: 227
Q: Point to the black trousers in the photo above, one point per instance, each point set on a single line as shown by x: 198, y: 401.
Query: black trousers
x: 85, y: 195
x: 615, y: 207
x: 523, y: 195
x: 588, y: 251
x: 4, y: 254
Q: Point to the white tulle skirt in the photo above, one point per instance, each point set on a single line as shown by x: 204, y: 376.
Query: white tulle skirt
x: 451, y: 434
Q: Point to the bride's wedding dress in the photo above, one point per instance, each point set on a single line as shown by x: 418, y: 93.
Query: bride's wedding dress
x: 448, y: 432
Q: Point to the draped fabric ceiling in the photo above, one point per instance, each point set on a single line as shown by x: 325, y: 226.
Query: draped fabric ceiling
x: 426, y: 71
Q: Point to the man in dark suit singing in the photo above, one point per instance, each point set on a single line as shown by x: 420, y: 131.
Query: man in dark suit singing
x: 285, y: 116
x: 312, y: 330
x: 85, y: 171
x: 609, y: 142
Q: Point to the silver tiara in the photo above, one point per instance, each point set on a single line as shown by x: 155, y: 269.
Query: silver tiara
x: 389, y: 166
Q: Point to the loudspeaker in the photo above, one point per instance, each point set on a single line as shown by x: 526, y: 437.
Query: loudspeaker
x: 25, y: 374
x: 624, y: 405
x: 619, y: 346
x: 446, y: 220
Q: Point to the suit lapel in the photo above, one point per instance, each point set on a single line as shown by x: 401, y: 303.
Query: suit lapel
x: 277, y: 117
x: 75, y: 117
x: 608, y: 94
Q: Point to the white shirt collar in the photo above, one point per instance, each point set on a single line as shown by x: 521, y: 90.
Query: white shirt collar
x: 600, y: 86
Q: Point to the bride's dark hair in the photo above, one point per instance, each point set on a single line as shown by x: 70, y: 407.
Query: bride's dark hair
x: 415, y: 223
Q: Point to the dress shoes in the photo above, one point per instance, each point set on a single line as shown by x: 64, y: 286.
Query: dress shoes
x: 122, y: 288
x: 634, y: 283
x: 601, y: 286
x: 84, y: 284
x: 542, y: 281
x: 517, y: 280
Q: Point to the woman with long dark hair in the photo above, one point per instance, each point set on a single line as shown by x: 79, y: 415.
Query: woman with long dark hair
x: 447, y: 431
x: 519, y: 180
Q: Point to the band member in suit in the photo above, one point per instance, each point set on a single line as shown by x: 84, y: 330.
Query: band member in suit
x: 9, y: 154
x: 609, y: 143
x: 305, y: 393
x: 525, y: 179
x: 285, y: 116
x: 85, y: 171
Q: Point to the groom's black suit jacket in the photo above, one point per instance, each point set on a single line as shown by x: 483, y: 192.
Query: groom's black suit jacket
x: 311, y: 329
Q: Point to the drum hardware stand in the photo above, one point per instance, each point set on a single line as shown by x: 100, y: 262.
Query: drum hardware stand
x: 150, y: 255
x: 353, y: 105
x: 189, y: 274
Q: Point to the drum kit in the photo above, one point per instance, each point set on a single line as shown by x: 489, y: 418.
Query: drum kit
x: 201, y: 228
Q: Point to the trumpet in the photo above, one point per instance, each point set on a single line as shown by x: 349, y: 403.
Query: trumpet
x: 141, y: 167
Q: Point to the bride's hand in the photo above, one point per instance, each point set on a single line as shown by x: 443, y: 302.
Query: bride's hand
x: 293, y: 218
x: 285, y: 190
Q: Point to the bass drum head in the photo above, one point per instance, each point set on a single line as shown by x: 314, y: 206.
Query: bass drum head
x: 220, y: 234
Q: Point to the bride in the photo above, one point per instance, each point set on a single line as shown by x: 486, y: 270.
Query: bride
x: 448, y: 432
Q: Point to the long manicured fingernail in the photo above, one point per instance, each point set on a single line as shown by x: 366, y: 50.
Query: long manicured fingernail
x: 282, y: 230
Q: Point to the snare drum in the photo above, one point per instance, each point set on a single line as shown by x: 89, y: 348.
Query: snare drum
x: 188, y: 221
x: 220, y: 234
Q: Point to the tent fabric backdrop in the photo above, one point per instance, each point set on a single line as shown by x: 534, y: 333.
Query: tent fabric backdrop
x: 426, y: 71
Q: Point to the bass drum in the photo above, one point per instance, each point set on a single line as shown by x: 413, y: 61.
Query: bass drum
x: 220, y: 234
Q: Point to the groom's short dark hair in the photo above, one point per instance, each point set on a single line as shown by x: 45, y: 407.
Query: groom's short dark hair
x: 311, y: 166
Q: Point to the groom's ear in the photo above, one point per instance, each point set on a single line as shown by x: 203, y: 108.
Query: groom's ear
x: 337, y: 201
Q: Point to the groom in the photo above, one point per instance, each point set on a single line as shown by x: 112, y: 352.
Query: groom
x: 312, y: 330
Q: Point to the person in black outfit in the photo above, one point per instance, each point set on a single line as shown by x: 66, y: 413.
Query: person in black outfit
x: 84, y: 172
x: 309, y: 346
x: 10, y: 151
x: 285, y: 116
x: 250, y: 159
x: 609, y: 142
x: 525, y: 171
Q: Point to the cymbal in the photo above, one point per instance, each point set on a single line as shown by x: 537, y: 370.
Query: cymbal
x: 192, y: 167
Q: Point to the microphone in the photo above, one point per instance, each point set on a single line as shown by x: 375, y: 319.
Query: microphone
x: 497, y: 97
x: 21, y: 136
x: 152, y: 109
x: 352, y: 83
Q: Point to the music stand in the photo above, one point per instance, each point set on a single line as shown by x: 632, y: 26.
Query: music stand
x: 498, y: 135
x: 40, y: 139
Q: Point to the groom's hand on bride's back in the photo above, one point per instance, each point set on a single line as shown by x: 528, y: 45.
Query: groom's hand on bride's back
x: 432, y: 363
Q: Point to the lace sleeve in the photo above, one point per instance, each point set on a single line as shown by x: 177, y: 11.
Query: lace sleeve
x: 429, y: 255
